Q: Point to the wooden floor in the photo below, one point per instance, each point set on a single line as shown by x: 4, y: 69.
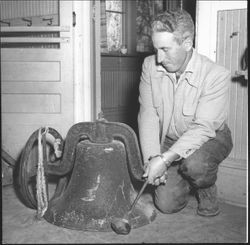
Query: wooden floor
x: 18, y: 226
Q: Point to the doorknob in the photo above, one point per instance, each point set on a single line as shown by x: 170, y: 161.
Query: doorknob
x: 242, y: 73
x: 235, y: 33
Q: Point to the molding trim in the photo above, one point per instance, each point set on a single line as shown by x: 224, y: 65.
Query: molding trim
x: 239, y: 164
x: 232, y: 182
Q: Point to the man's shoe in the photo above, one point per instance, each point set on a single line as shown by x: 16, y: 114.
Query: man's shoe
x: 207, y: 202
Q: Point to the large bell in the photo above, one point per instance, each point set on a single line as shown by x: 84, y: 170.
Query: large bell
x: 100, y: 172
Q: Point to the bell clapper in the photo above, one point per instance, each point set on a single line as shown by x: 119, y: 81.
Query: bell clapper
x: 122, y: 225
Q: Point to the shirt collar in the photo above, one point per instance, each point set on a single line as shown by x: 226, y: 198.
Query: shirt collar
x: 190, y: 69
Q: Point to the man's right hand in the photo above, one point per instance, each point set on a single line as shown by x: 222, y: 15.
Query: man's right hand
x: 155, y: 171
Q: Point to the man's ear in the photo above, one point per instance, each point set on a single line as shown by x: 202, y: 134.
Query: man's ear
x: 188, y: 43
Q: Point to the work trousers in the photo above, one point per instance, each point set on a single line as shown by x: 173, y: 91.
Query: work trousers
x: 199, y: 170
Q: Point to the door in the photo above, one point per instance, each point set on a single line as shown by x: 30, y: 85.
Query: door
x: 36, y: 70
x: 231, y: 53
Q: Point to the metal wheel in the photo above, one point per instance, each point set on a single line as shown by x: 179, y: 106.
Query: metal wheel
x: 28, y: 167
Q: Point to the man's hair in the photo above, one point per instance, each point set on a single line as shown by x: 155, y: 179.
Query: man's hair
x: 178, y: 22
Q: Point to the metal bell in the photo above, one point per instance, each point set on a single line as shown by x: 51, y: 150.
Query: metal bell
x: 101, y: 169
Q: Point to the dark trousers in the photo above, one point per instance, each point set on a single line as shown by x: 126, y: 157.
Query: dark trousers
x: 199, y: 170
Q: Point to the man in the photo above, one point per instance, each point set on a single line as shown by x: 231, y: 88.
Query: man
x: 182, y: 117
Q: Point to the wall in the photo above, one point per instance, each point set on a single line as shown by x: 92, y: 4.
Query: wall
x: 29, y: 13
x: 120, y: 76
x: 19, y: 9
x: 216, y: 21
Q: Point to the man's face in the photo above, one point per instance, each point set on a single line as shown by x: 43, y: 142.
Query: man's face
x: 169, y: 53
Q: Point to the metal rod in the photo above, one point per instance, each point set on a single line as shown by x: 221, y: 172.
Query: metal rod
x: 6, y: 157
x: 138, y: 196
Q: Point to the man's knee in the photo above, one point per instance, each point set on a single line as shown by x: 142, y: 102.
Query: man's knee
x: 200, y: 171
x: 171, y: 201
x: 201, y: 167
x: 193, y: 167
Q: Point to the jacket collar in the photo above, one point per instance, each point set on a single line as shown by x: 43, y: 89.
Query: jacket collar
x: 190, y: 69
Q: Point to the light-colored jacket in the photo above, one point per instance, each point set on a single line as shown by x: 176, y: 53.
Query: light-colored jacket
x: 189, y: 112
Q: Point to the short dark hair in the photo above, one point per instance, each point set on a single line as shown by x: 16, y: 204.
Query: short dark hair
x: 178, y: 22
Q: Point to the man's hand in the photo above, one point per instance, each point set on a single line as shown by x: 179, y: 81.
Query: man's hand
x: 155, y: 171
x: 156, y: 168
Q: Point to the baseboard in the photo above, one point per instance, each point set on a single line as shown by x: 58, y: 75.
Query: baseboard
x: 232, y: 182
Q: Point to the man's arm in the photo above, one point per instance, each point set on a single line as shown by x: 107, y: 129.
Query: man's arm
x: 148, y: 120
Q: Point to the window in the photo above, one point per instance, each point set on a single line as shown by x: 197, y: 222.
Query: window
x: 118, y: 26
x: 115, y: 17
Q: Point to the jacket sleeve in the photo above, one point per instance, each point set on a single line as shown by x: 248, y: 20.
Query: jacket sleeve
x: 211, y: 113
x: 148, y: 120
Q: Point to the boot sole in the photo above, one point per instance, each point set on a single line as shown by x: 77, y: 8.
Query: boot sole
x: 207, y: 214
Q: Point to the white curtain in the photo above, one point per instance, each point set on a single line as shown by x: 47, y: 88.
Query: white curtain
x: 104, y: 46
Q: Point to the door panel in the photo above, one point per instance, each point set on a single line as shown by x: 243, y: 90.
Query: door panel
x: 36, y: 80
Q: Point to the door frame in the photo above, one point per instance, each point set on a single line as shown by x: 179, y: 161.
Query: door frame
x: 87, y: 67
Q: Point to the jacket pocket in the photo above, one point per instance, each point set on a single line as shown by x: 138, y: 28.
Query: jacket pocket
x: 156, y: 101
x: 188, y: 110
